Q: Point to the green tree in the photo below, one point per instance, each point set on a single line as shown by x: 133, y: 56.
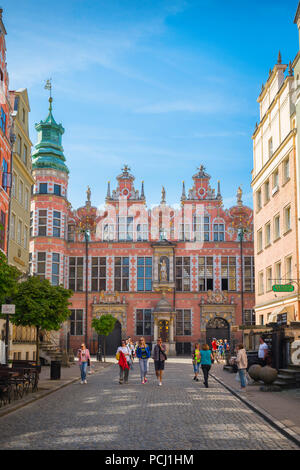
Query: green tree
x: 42, y: 305
x: 104, y: 326
x: 9, y: 276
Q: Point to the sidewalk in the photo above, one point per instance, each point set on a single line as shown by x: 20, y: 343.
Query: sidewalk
x: 283, y: 408
x: 47, y: 386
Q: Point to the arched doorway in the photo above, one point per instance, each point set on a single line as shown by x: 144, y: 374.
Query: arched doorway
x: 217, y: 328
x: 113, y: 340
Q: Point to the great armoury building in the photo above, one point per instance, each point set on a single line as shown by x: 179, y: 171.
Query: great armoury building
x: 184, y: 274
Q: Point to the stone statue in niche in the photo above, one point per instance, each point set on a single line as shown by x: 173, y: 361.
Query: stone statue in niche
x: 164, y: 270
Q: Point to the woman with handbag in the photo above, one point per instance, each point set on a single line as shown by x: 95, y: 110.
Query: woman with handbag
x: 159, y: 356
x: 196, y: 361
x: 83, y: 357
x: 143, y: 354
x: 123, y: 358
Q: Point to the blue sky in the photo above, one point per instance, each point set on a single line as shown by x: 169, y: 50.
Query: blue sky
x: 161, y: 85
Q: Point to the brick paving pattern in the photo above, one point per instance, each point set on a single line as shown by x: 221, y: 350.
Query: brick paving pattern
x: 182, y: 414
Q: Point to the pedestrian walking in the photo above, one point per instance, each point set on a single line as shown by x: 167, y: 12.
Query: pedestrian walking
x: 159, y: 356
x: 196, y: 361
x: 143, y: 353
x: 84, y: 357
x: 123, y: 357
x: 262, y: 352
x: 206, y: 357
x: 242, y: 364
x: 214, y: 346
x: 132, y: 350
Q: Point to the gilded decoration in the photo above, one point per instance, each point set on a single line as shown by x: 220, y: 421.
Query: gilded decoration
x: 210, y: 312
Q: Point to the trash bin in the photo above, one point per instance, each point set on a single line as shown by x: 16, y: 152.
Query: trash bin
x: 55, y: 370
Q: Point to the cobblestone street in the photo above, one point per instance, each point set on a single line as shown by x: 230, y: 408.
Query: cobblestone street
x: 181, y: 414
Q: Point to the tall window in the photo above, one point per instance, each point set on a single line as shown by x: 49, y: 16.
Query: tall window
x: 287, y: 218
x: 278, y: 273
x: 125, y: 228
x: 76, y: 322
x: 19, y: 232
x: 3, y: 120
x: 55, y: 269
x: 276, y: 227
x: 219, y: 232
x: 248, y: 273
x: 13, y: 184
x: 249, y: 317
x: 288, y: 269
x: 144, y: 274
x: 43, y: 188
x: 270, y: 147
x: 201, y: 228
x: 144, y: 322
x: 183, y: 273
x: 56, y: 223
x: 76, y: 273
x: 21, y: 191
x: 267, y: 191
x: 258, y: 200
x: 2, y: 232
x: 98, y: 274
x: 42, y: 223
x: 108, y: 232
x: 142, y: 232
x: 259, y: 240
x: 183, y: 323
x: 13, y: 226
x: 25, y: 155
x: 19, y: 145
x: 71, y: 233
x: 269, y: 280
x: 205, y: 273
x: 185, y: 232
x: 25, y: 237
x: 275, y: 181
x: 41, y: 264
x: 57, y: 189
x: 267, y: 234
x: 286, y: 170
x: 122, y: 274
x: 228, y: 273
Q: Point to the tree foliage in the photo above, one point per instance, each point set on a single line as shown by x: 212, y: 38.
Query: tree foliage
x: 104, y: 325
x: 40, y: 304
x: 9, y: 276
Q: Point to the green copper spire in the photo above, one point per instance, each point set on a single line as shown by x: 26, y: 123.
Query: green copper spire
x: 48, y: 151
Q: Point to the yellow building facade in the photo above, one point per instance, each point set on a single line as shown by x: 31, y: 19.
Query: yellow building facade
x: 23, y: 338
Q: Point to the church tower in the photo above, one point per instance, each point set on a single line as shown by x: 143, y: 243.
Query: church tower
x: 49, y: 204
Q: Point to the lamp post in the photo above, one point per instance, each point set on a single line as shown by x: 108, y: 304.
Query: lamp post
x: 87, y: 239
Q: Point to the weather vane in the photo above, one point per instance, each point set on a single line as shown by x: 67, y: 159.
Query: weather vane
x: 48, y: 86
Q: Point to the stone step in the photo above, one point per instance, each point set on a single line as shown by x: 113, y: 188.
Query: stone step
x: 283, y: 384
x: 286, y: 377
x: 289, y: 371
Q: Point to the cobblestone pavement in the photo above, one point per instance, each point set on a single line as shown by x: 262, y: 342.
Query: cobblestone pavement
x: 182, y: 414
